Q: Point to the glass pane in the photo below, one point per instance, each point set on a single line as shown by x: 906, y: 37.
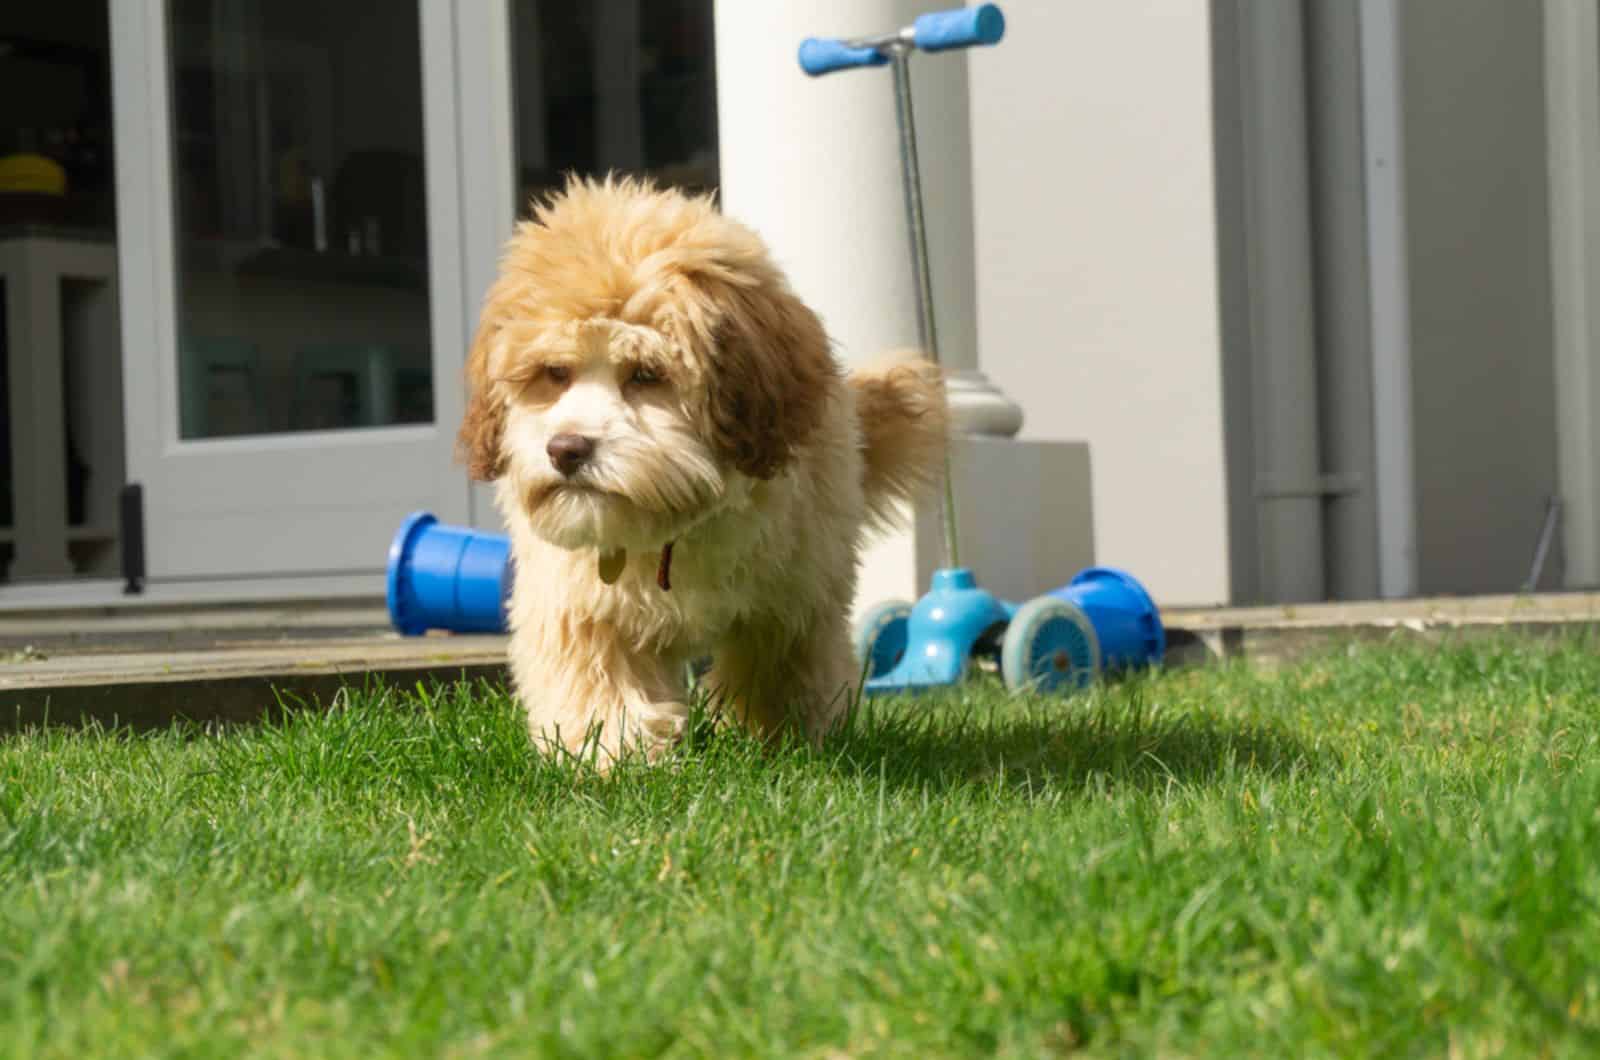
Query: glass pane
x: 623, y: 85
x: 301, y: 215
x: 60, y: 472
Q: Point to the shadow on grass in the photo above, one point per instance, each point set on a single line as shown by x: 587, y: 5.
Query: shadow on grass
x: 1109, y: 738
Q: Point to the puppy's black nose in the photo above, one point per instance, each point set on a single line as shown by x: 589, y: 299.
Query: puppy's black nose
x: 569, y: 452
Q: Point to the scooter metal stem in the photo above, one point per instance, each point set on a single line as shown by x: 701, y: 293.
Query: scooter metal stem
x: 927, y: 332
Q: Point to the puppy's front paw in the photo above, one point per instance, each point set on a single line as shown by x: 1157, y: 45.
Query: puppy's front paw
x: 659, y: 733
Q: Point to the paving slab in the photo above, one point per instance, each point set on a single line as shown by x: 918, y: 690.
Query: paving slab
x: 1282, y: 633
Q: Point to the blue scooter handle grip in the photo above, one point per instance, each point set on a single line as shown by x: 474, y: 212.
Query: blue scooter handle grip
x: 961, y: 28
x: 824, y: 55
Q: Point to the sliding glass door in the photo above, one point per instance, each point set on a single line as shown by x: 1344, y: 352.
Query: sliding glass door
x: 291, y: 276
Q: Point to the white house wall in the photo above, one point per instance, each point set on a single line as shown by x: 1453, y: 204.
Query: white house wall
x: 1096, y: 246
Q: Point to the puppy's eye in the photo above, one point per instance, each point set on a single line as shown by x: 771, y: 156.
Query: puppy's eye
x: 558, y: 373
x: 643, y: 376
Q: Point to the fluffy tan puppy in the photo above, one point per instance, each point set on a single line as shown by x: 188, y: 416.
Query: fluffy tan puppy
x: 684, y: 468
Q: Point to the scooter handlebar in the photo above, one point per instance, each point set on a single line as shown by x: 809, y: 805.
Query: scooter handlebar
x: 936, y: 31
x: 962, y: 28
x: 824, y: 55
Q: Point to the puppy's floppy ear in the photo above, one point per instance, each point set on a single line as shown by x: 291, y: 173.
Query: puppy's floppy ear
x: 771, y: 374
x: 478, y: 443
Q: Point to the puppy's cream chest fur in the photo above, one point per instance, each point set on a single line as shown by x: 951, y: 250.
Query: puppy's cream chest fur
x: 722, y: 571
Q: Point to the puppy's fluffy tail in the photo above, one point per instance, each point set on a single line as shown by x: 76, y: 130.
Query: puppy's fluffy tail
x: 900, y: 402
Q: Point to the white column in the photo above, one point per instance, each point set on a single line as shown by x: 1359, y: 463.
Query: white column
x: 812, y: 164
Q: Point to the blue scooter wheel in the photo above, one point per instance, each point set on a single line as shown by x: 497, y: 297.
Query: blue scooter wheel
x: 1049, y: 646
x: 881, y: 637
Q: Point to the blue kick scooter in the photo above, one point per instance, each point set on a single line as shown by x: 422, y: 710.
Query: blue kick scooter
x: 1104, y: 618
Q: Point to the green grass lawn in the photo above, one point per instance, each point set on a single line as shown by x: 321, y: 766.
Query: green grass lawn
x: 1390, y: 852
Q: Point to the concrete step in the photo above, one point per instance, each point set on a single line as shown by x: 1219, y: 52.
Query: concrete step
x: 237, y: 682
x: 187, y: 627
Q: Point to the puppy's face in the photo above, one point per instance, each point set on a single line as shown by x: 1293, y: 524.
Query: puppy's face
x: 599, y: 444
x: 639, y: 363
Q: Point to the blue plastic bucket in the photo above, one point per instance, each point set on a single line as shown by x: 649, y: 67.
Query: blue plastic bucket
x: 447, y: 577
x: 1124, y: 617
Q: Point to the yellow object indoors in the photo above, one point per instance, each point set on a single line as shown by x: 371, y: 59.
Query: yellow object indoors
x: 33, y: 174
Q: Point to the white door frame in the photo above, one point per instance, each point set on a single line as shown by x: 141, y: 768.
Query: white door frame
x: 1572, y: 95
x: 488, y: 159
x: 198, y: 492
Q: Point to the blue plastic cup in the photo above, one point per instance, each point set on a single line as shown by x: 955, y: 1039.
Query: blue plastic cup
x: 447, y: 577
x: 1124, y: 617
